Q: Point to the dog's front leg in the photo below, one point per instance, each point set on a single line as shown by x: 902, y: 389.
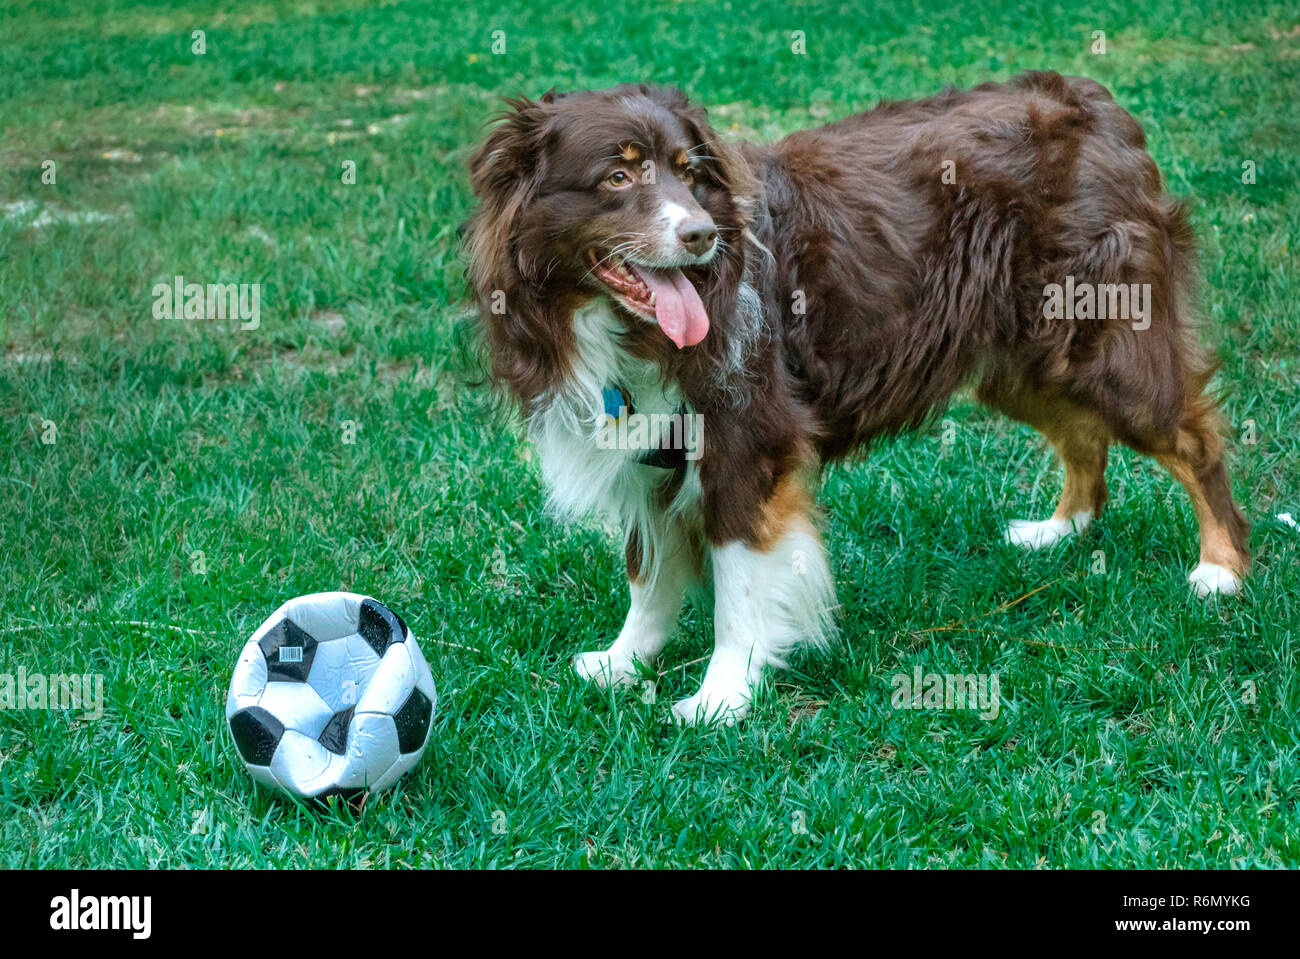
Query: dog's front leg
x: 657, y: 581
x: 773, y: 593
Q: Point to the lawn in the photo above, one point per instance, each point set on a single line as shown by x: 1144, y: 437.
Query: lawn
x: 168, y: 482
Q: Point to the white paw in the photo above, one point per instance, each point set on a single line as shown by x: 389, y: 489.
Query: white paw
x: 605, y: 669
x: 1040, y: 534
x: 724, y: 710
x: 1211, y: 579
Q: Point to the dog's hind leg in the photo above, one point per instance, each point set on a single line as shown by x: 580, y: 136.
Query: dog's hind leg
x: 1082, y: 444
x: 657, y: 589
x: 1082, y: 441
x: 1196, y: 461
x: 1192, y: 451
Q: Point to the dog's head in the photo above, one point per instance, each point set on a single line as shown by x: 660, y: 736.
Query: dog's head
x: 626, y: 193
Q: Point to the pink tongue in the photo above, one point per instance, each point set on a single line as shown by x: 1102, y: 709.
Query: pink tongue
x: 678, y: 308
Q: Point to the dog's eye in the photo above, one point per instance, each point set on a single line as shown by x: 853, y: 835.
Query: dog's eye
x: 687, y: 175
x: 618, y: 178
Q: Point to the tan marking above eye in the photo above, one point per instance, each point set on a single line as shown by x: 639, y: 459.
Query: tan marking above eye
x: 682, y: 166
x: 631, y: 153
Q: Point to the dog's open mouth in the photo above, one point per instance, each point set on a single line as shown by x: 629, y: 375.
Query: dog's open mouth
x: 661, y: 293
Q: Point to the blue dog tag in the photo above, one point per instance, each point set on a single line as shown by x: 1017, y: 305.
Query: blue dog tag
x: 616, y: 402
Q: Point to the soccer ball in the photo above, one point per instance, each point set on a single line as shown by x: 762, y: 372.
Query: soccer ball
x: 331, y: 696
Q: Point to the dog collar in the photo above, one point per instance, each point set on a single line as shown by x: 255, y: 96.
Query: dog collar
x: 618, y: 403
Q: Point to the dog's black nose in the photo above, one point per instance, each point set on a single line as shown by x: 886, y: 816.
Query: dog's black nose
x: 698, y: 236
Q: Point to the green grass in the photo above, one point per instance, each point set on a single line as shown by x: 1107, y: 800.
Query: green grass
x: 1125, y: 739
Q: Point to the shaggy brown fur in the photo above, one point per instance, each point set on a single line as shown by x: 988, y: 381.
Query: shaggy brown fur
x: 885, y: 285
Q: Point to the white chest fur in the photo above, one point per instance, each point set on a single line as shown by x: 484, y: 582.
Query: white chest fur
x: 586, y: 463
x: 766, y: 600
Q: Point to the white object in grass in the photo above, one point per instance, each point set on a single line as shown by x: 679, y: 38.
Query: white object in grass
x: 331, y: 696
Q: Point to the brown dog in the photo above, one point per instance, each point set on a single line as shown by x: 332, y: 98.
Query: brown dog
x: 692, y: 328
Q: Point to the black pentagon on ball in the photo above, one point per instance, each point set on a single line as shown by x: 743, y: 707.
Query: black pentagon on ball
x: 289, y: 651
x: 334, y: 736
x: 380, y: 626
x: 413, y: 721
x: 256, y: 733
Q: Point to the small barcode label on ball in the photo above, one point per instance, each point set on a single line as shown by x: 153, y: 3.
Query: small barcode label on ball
x: 291, y: 654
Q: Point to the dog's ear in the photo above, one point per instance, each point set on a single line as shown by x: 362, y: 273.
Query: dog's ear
x: 507, y: 166
x: 721, y: 163
x: 526, y: 342
x: 504, y: 173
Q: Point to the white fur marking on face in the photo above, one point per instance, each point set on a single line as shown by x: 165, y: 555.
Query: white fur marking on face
x: 672, y: 214
x: 1040, y: 534
x: 765, y: 604
x: 1211, y: 579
